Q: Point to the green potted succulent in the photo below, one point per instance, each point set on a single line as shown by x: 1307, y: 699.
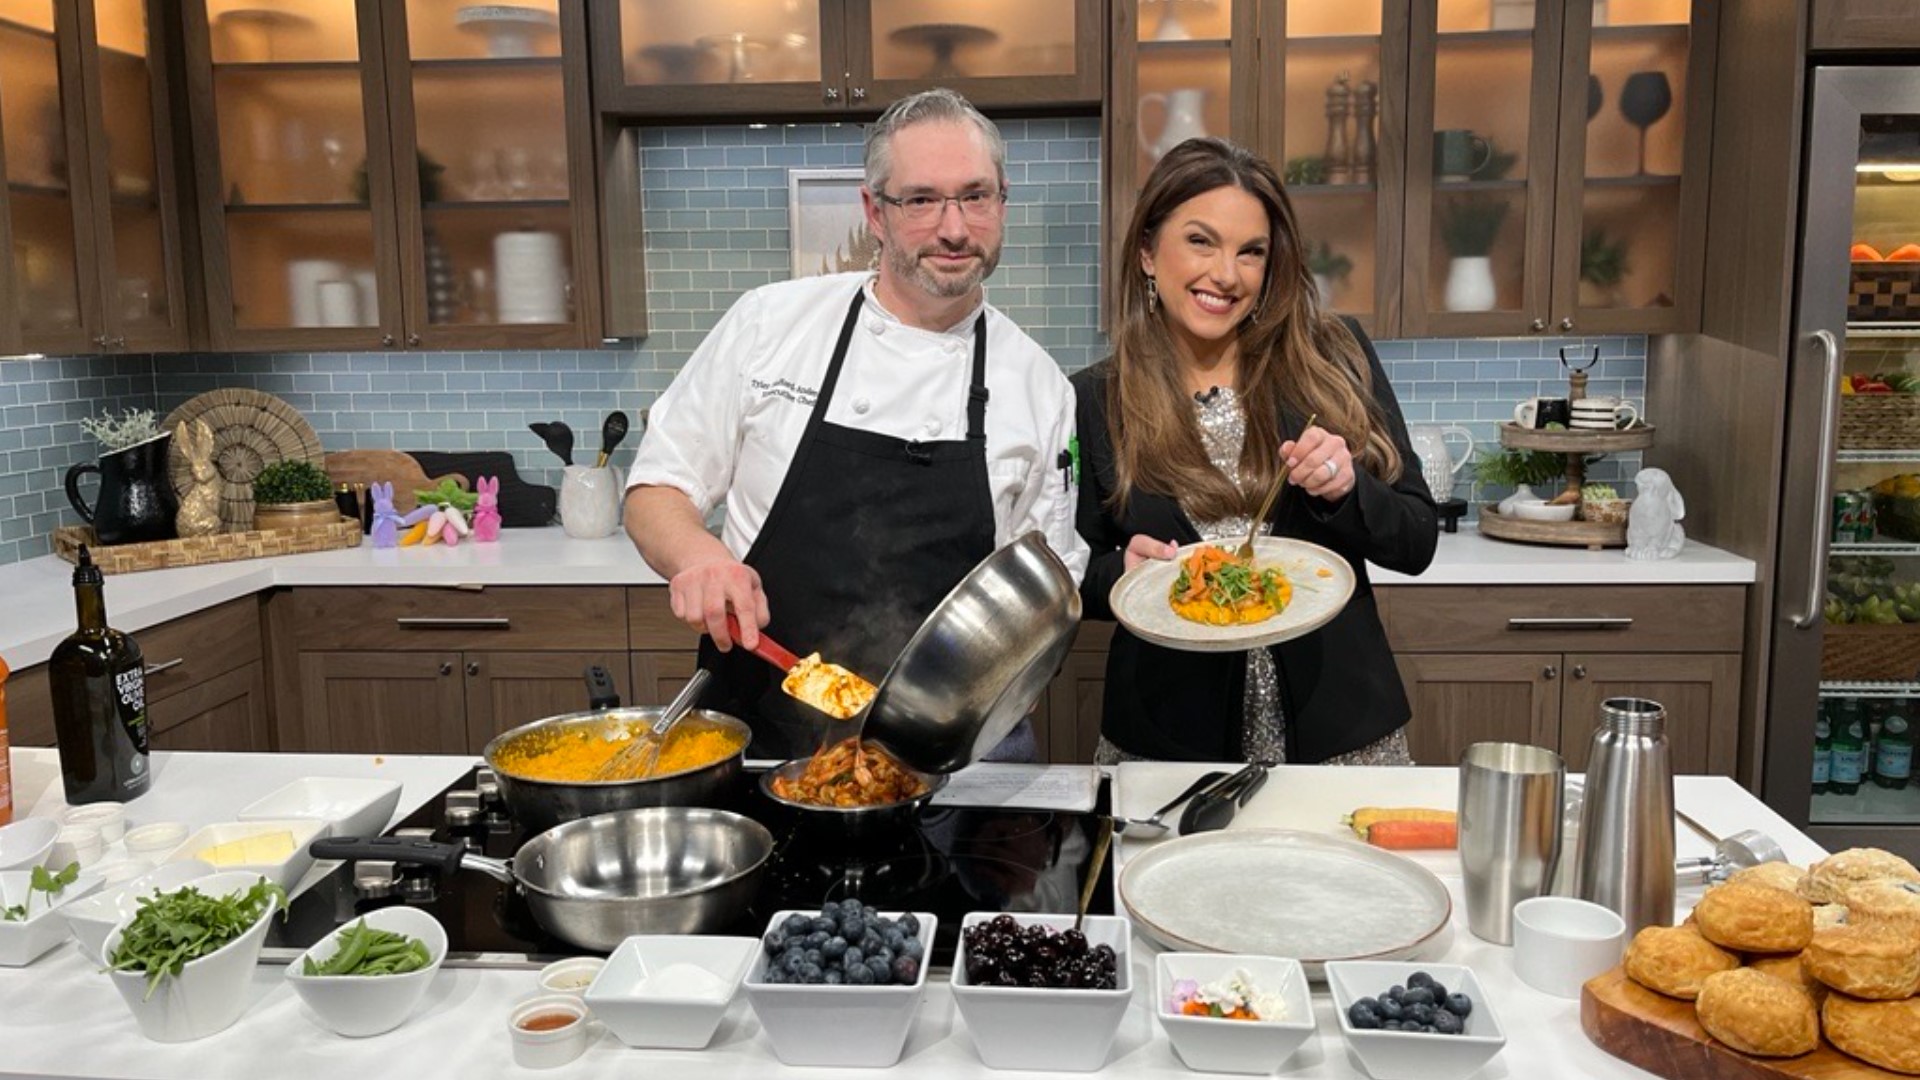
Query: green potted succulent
x: 1519, y: 470
x: 1469, y: 225
x: 1329, y: 269
x: 1603, y: 265
x: 1601, y: 503
x: 292, y: 495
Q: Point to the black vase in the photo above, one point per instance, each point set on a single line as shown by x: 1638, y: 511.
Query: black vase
x: 136, y: 502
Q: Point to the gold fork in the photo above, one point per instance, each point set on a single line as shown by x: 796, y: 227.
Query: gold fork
x: 1246, y: 549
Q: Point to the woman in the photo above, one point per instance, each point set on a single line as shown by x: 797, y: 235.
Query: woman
x: 1221, y: 353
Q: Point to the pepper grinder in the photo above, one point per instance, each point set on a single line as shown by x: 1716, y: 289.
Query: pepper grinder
x: 1339, y: 147
x: 1366, y: 105
x: 1626, y: 823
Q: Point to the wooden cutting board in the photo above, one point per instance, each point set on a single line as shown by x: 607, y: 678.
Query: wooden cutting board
x: 381, y: 466
x: 1660, y: 1034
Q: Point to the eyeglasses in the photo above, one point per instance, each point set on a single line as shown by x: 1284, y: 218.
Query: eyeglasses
x: 923, y: 209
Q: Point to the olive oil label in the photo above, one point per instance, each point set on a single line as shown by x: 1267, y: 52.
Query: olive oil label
x: 130, y: 686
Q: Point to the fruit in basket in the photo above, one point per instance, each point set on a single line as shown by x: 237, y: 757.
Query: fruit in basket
x: 1865, y: 253
x: 1896, y: 507
x: 1905, y: 253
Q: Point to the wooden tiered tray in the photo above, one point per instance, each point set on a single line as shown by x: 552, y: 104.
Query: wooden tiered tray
x: 1576, y: 445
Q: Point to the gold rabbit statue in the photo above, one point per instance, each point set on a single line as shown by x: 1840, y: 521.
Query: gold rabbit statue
x: 199, y: 513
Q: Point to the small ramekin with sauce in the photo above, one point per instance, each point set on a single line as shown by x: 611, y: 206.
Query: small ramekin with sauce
x: 548, y: 1030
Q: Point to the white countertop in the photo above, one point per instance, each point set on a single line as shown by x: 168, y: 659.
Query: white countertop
x: 39, y: 600
x: 61, y: 1017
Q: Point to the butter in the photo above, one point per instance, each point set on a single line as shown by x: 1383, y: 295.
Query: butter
x: 261, y: 848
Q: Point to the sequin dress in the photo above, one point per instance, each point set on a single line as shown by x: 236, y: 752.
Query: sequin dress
x: 1263, y: 733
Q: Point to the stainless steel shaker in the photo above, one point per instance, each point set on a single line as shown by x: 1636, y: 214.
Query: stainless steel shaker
x: 1510, y: 818
x: 1626, y: 823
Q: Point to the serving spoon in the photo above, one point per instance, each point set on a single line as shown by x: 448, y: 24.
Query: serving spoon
x: 1152, y: 825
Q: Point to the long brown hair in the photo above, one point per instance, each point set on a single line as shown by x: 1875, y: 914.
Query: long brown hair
x: 1291, y: 353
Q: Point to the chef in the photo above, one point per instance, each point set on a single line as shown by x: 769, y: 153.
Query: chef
x: 872, y: 436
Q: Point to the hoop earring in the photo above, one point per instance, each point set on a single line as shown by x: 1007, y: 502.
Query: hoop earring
x: 1153, y: 294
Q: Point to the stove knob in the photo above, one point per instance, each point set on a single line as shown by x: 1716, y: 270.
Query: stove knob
x: 463, y: 809
x: 373, y: 880
x: 419, y: 889
x: 488, y: 785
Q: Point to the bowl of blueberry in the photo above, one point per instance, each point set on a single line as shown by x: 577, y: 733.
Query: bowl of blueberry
x: 1037, y: 994
x: 1414, y: 1021
x: 838, y: 987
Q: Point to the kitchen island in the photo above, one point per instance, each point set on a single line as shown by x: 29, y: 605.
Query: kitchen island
x: 61, y: 1018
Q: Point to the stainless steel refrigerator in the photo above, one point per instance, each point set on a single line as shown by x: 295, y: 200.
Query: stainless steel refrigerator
x: 1843, y: 686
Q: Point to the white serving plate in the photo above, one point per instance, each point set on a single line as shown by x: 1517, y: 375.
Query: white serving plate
x: 1283, y: 893
x: 1140, y: 602
x: 351, y: 807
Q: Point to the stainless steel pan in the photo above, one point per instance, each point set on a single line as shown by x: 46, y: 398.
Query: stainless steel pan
x: 595, y: 881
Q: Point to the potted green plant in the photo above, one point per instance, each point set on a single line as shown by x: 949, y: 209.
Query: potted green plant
x: 292, y: 495
x: 1469, y: 225
x: 1519, y: 470
x: 1600, y: 502
x: 135, y: 501
x: 1329, y: 268
x: 1603, y: 264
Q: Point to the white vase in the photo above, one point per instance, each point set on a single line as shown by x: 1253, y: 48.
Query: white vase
x: 1470, y: 284
x: 1323, y: 288
x: 589, y: 502
x: 1522, y: 493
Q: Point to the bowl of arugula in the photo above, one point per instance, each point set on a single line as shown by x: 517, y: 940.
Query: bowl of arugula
x: 184, y: 962
x: 28, y: 899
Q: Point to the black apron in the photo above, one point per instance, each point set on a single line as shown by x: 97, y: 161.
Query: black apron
x: 867, y: 535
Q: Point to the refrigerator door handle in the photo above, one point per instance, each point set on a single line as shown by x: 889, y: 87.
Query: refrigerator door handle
x: 1823, y: 488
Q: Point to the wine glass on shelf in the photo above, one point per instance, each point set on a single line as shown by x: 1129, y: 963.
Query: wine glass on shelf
x: 1643, y: 101
x: 1596, y: 97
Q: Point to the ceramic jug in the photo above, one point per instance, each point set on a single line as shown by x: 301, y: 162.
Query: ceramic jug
x: 136, y: 502
x: 1437, y: 464
x: 1186, y: 113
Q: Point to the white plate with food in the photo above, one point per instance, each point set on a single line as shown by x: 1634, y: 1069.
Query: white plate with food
x: 1314, y: 585
x: 1277, y: 892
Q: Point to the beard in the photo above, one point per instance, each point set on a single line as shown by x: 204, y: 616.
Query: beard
x: 911, y: 265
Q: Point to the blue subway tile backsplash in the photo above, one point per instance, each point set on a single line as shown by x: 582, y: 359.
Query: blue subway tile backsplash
x: 716, y: 216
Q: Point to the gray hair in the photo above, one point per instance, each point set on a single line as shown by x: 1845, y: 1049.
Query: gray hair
x: 938, y: 104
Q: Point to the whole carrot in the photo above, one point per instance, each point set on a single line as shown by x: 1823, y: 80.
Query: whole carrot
x: 1410, y: 835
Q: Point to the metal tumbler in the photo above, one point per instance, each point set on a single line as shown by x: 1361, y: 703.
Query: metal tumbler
x: 1510, y: 800
x: 1626, y: 826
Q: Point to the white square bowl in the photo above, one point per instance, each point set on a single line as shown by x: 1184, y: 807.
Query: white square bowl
x: 351, y: 807
x: 27, y: 940
x: 1216, y: 1044
x: 641, y: 1011
x: 362, y: 1005
x: 1025, y: 1027
x: 91, y: 919
x: 285, y: 873
x: 1403, y: 1055
x: 210, y: 993
x: 26, y: 843
x: 837, y: 1026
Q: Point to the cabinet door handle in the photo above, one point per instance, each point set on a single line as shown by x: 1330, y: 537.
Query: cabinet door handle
x: 1550, y: 672
x: 436, y: 622
x: 165, y: 665
x: 1823, y: 487
x: 119, y: 342
x: 833, y: 94
x: 1566, y: 323
x: 473, y: 667
x: 446, y: 667
x: 1579, y: 671
x: 1589, y: 622
x: 103, y: 341
x: 413, y: 339
x: 1537, y: 325
x: 387, y: 340
x: 859, y: 93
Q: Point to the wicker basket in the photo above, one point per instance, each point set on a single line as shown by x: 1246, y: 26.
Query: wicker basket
x: 1854, y: 653
x: 1885, y: 292
x: 344, y: 532
x: 1879, y: 421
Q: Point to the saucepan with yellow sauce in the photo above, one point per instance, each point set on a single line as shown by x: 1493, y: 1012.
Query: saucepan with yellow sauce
x: 547, y: 768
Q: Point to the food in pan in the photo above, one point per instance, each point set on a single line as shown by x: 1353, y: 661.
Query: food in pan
x: 1675, y: 960
x: 1883, y: 1033
x: 1827, y: 882
x: 828, y: 687
x: 850, y: 773
x: 1219, y: 589
x: 1876, y: 962
x: 1755, y: 1013
x: 1747, y: 917
x: 575, y: 754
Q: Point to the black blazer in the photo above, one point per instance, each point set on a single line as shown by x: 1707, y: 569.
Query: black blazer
x: 1338, y: 686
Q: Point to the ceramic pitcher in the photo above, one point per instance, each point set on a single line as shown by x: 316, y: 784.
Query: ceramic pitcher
x: 590, y: 502
x: 1437, y: 463
x: 136, y: 502
x: 1186, y: 113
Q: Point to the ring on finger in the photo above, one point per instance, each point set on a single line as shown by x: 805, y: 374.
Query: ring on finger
x: 1332, y: 467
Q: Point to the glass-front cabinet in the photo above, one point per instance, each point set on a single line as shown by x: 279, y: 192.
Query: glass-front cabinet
x: 378, y: 174
x: 86, y: 151
x: 708, y: 57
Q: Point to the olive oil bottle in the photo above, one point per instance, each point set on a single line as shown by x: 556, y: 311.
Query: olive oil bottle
x: 99, y: 700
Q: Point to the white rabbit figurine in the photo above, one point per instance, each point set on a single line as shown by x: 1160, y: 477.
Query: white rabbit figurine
x: 1653, y: 523
x: 199, y: 513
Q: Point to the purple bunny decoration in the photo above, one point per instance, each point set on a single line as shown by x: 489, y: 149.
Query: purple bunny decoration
x: 387, y: 521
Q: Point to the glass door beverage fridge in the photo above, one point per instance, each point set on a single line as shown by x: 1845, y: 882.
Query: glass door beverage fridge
x: 1843, y: 690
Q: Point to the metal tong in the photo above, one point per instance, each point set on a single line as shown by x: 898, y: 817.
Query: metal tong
x: 1215, y: 807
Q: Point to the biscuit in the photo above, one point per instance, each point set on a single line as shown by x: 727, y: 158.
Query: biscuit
x: 1883, y: 1033
x: 1827, y: 916
x: 1674, y: 960
x: 1891, y: 902
x: 1774, y: 875
x: 1789, y: 969
x: 1755, y: 1013
x: 1828, y: 879
x: 1754, y: 918
x: 1875, y: 962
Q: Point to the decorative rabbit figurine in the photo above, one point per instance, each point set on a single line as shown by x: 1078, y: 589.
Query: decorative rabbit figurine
x: 386, y: 520
x: 1653, y: 522
x: 486, y: 516
x: 199, y: 513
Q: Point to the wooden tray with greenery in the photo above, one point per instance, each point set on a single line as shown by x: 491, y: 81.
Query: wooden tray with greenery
x: 344, y: 532
x: 1586, y: 534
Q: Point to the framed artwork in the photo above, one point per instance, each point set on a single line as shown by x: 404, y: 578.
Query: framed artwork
x: 826, y: 228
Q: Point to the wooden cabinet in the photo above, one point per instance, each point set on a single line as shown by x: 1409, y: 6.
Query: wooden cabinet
x: 378, y: 175
x: 1864, y: 25
x: 226, y: 712
x: 1067, y: 723
x: 694, y: 58
x: 1532, y: 664
x: 89, y: 208
x: 432, y: 670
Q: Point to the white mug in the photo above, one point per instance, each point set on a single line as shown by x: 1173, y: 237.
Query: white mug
x: 1604, y: 414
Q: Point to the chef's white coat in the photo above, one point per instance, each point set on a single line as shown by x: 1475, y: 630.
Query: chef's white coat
x: 729, y: 424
